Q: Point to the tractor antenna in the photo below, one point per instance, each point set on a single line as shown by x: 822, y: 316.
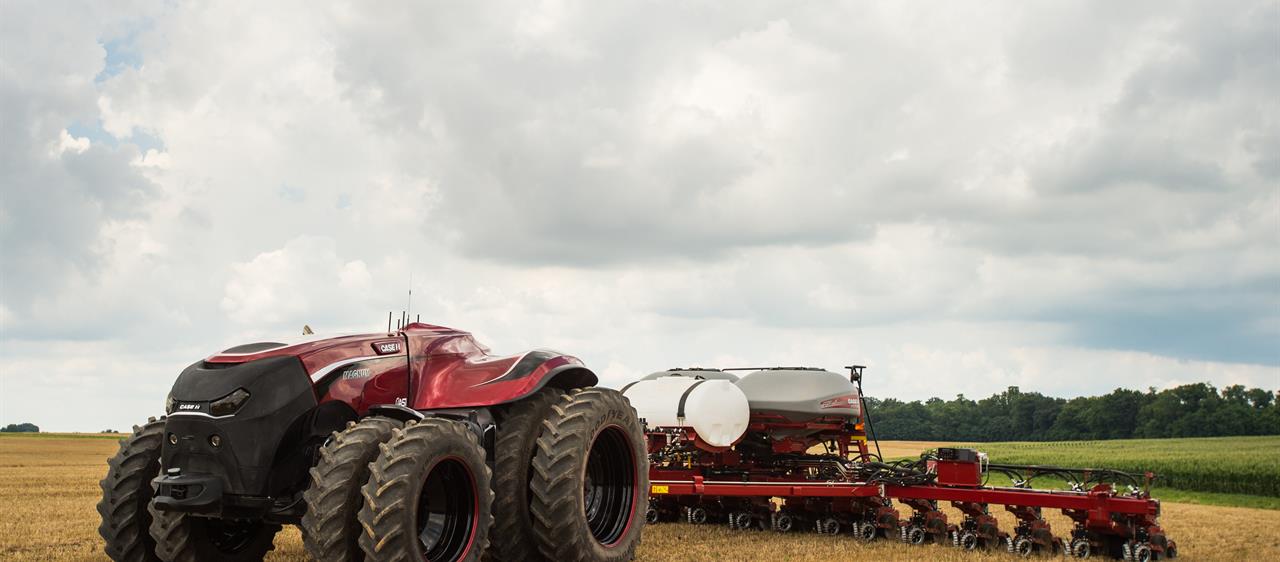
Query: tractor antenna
x: 409, y: 306
x: 388, y: 321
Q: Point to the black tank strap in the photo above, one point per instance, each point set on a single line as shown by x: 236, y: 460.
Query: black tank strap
x: 684, y: 397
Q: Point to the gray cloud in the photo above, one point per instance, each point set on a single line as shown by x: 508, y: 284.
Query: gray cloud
x: 963, y: 196
x: 588, y: 143
x: 57, y: 197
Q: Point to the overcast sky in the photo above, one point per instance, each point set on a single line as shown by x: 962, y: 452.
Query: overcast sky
x: 1065, y: 196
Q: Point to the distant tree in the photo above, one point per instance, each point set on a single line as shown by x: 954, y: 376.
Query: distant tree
x: 1259, y: 398
x: 20, y: 428
x: 1236, y: 394
x: 1190, y: 410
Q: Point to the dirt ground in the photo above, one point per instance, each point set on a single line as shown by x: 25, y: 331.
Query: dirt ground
x: 49, y: 486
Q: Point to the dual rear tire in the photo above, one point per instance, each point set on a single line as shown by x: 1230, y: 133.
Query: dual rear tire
x: 512, y: 539
x: 590, y: 482
x: 428, y: 496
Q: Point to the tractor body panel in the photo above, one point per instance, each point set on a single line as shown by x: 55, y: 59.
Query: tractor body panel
x: 241, y: 463
x: 218, y: 462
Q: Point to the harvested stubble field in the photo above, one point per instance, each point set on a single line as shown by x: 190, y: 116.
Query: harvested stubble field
x: 48, y: 487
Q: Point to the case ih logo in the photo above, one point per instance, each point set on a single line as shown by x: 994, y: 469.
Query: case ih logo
x: 838, y: 402
x: 387, y: 347
x: 188, y: 407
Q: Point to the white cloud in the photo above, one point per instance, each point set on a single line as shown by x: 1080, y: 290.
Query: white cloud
x: 306, y: 277
x: 1066, y: 198
x: 66, y: 142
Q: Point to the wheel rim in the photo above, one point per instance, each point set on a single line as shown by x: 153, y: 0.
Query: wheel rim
x: 784, y: 523
x: 867, y: 531
x: 609, y: 486
x: 446, y: 511
x: 968, y: 541
x: 1081, y: 549
x: 916, y: 535
x: 231, y: 536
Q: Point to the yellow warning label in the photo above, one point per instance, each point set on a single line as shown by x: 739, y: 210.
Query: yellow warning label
x: 660, y: 490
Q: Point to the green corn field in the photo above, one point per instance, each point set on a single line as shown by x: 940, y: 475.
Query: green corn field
x: 1232, y: 465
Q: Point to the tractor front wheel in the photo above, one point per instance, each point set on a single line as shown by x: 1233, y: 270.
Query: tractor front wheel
x: 330, y: 530
x: 126, y: 492
x: 189, y: 538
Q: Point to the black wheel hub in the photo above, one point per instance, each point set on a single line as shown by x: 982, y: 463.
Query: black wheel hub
x: 609, y: 486
x: 446, y: 511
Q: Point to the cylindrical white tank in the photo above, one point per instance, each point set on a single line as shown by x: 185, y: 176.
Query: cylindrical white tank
x: 716, y: 409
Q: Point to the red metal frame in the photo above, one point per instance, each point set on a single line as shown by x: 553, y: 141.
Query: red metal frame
x: 687, y: 474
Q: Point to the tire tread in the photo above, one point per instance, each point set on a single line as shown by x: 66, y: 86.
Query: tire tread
x: 125, y: 518
x: 386, y: 504
x: 331, y: 531
x: 512, y: 539
x: 557, y: 486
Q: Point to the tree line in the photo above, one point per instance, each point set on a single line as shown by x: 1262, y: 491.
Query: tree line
x: 1190, y: 410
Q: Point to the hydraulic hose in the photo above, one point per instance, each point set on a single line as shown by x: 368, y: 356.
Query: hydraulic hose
x: 866, y: 413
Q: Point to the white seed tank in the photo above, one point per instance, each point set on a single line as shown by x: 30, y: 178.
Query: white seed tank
x: 716, y: 409
x: 801, y: 393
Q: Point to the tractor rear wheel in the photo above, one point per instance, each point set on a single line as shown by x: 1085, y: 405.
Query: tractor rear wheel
x: 428, y: 496
x: 126, y: 492
x: 512, y: 539
x: 330, y: 529
x: 189, y: 538
x: 591, y: 479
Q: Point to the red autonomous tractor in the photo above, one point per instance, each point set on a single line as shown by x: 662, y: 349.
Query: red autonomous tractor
x: 784, y: 448
x: 406, y: 445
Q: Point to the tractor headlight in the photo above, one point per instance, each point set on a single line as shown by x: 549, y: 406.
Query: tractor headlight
x: 169, y: 404
x: 230, y: 403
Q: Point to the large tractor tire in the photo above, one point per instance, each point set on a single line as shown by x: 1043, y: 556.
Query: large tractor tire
x: 428, y: 496
x: 126, y: 492
x: 591, y: 479
x: 330, y: 530
x: 520, y: 425
x: 189, y: 538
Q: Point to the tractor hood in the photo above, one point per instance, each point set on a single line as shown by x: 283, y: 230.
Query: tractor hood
x: 321, y: 354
